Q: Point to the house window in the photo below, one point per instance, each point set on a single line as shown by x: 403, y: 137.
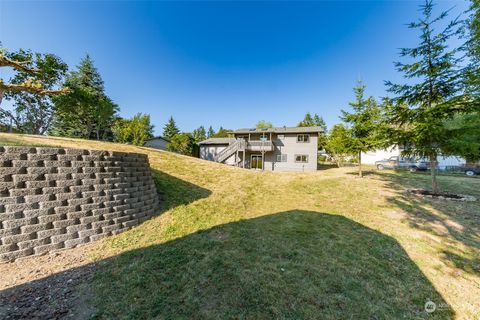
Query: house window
x: 303, y: 138
x: 281, y: 137
x: 302, y: 158
x: 281, y: 158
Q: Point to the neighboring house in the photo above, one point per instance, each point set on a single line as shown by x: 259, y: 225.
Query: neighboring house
x: 379, y: 154
x: 158, y: 143
x: 278, y: 149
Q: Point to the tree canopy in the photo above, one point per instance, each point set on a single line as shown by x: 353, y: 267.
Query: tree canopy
x: 34, y: 80
x: 315, y: 121
x: 364, y: 122
x: 262, y: 124
x: 170, y: 129
x: 135, y: 131
x: 339, y: 143
x: 183, y: 143
x: 86, y: 112
x: 199, y: 134
x: 32, y: 73
x: 429, y: 96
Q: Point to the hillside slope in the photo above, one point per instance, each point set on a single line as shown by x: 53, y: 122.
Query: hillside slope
x: 233, y: 243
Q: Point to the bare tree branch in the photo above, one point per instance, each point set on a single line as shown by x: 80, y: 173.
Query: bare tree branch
x: 19, y: 65
x: 27, y: 87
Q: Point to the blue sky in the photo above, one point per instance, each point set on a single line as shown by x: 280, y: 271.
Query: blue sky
x: 223, y: 63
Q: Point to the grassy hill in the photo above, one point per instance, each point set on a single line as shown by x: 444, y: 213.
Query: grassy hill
x: 231, y: 243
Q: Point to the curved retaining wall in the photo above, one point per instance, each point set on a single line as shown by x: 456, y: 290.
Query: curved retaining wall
x: 54, y: 198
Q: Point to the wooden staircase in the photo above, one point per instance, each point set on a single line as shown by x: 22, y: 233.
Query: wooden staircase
x: 230, y: 150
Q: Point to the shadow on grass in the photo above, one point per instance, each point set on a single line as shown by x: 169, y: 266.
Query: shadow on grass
x: 174, y: 192
x: 326, y: 166
x: 451, y: 220
x: 288, y: 265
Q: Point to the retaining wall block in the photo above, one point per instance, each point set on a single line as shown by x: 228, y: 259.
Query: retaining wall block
x: 55, y: 198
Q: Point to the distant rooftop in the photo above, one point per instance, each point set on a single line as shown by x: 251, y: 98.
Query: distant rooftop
x: 281, y: 130
x: 159, y: 137
x: 216, y: 141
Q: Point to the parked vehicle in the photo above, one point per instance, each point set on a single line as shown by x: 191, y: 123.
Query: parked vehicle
x: 397, y: 162
x: 471, y: 170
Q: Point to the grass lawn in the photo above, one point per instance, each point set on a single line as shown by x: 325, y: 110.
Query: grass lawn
x: 230, y: 243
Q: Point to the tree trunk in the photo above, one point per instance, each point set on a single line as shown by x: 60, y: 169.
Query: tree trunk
x: 360, y: 174
x: 433, y: 172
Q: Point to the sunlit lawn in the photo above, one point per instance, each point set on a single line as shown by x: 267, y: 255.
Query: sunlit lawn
x: 235, y: 244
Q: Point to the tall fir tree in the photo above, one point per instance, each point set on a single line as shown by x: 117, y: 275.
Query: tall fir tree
x: 307, y: 121
x: 210, y: 132
x: 85, y: 112
x: 364, y: 123
x: 170, y: 129
x: 429, y: 96
x: 319, y: 122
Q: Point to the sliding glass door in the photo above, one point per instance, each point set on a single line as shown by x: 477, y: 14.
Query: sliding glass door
x: 256, y: 162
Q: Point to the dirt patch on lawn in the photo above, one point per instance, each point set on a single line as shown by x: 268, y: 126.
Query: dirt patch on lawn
x: 53, y: 286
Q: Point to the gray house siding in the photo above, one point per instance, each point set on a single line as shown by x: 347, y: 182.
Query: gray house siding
x: 280, y: 147
x: 209, y: 151
x: 291, y: 148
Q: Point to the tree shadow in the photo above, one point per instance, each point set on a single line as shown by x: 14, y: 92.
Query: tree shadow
x: 288, y: 265
x: 451, y: 220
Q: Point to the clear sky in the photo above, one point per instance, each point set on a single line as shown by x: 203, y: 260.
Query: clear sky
x: 223, y: 63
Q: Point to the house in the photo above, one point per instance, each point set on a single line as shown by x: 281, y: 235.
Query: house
x: 381, y: 154
x: 157, y: 143
x: 275, y: 149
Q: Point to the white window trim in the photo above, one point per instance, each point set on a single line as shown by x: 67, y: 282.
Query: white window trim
x: 301, y: 155
x: 304, y: 135
x: 281, y: 155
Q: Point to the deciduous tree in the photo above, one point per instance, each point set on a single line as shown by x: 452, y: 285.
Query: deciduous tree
x: 182, y: 143
x: 339, y: 144
x: 33, y: 73
x: 135, y: 131
x: 35, y: 78
x: 262, y: 124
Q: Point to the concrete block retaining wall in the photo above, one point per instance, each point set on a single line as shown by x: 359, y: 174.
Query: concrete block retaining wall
x: 54, y: 198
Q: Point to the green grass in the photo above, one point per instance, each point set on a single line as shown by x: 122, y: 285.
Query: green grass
x: 235, y: 244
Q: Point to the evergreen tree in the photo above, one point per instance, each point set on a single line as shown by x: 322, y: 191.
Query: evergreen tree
x: 210, y: 132
x: 170, y: 129
x: 421, y: 107
x: 199, y: 134
x: 464, y: 137
x: 319, y: 122
x: 307, y: 121
x: 364, y: 123
x: 85, y: 112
